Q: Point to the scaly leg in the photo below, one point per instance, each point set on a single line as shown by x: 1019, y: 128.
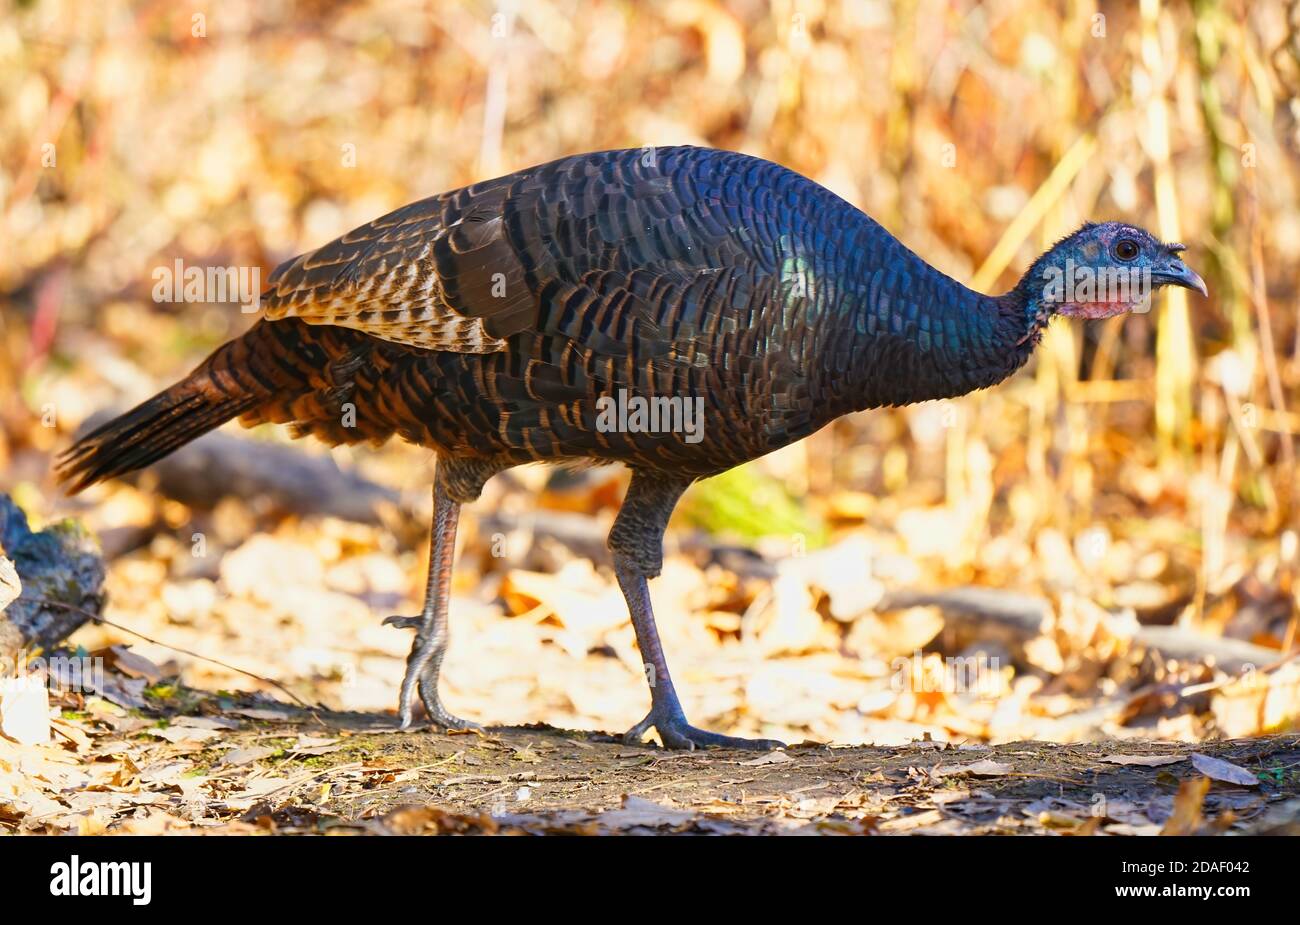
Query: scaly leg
x: 637, y: 544
x: 425, y: 660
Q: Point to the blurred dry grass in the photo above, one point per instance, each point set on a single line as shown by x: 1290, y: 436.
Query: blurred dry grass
x: 1145, y: 462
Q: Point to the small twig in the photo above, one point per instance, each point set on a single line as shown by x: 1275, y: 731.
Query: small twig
x: 96, y: 618
x: 301, y: 779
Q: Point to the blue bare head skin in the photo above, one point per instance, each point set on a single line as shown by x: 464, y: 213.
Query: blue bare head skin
x: 1103, y: 270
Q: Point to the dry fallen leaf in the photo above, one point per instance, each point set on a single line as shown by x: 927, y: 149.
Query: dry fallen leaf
x: 1226, y: 771
x: 1258, y: 702
x: 315, y: 745
x: 1145, y: 761
x: 1186, y: 818
x: 577, y: 598
x: 126, y: 776
x: 260, y: 788
x: 72, y: 732
x: 637, y: 812
x: 125, y: 692
x: 205, y: 722
x: 131, y: 664
x: 431, y: 820
x: 772, y: 757
x: 281, y: 715
x: 1128, y: 828
x: 1055, y: 819
x: 914, y: 821
x: 184, y: 735
x: 983, y: 768
x: 152, y: 821
x: 1089, y: 827
x: 306, y: 741
x: 242, y: 756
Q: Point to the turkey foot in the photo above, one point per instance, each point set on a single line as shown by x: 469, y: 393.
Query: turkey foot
x: 422, y: 668
x: 677, y: 733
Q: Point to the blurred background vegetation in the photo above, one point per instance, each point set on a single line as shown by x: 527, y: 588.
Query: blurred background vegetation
x: 1145, y: 462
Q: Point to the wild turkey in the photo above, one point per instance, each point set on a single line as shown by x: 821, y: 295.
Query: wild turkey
x: 497, y: 323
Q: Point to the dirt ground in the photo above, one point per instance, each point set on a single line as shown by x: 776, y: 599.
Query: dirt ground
x: 281, y: 770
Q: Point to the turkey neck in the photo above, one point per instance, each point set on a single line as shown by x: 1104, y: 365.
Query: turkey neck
x: 905, y: 332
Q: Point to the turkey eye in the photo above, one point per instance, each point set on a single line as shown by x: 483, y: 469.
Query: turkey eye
x: 1126, y: 249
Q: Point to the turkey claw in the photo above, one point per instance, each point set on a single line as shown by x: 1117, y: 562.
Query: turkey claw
x: 404, y: 623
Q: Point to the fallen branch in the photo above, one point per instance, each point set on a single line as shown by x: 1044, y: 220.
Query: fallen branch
x: 1021, y: 617
x: 59, y: 576
x: 219, y: 465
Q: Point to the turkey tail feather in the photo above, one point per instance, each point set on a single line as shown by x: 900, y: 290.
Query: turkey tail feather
x: 237, y: 378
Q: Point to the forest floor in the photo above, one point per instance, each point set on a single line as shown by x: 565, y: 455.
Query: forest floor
x: 550, y: 781
x: 210, y: 764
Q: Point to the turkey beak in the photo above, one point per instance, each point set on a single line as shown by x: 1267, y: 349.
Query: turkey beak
x: 1178, y: 273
